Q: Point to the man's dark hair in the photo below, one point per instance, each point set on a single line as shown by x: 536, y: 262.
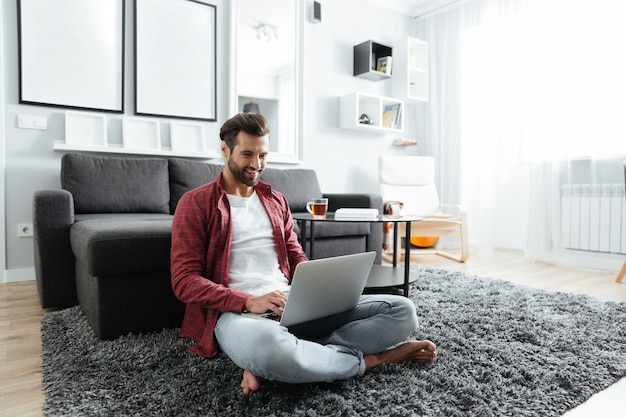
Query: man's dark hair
x: 251, y: 123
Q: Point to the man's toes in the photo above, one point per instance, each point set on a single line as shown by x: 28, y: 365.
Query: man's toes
x: 249, y: 382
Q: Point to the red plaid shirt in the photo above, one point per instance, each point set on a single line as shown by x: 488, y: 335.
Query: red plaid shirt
x: 200, y: 255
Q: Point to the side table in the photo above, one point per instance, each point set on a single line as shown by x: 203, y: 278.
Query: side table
x: 380, y: 276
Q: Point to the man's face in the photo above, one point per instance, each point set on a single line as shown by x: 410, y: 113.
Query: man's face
x: 247, y: 160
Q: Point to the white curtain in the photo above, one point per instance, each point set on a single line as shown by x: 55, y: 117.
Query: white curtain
x: 528, y: 96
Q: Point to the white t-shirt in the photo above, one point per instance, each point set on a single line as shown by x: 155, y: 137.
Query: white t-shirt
x: 253, y: 261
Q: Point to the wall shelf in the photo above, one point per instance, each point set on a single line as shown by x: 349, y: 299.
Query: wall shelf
x: 385, y: 114
x: 411, y: 70
x: 119, y: 149
x: 405, y: 142
x: 366, y: 57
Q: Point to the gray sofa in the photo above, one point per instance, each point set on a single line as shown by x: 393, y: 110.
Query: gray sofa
x: 103, y: 239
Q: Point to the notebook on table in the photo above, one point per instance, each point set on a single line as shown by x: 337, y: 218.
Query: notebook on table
x: 356, y: 213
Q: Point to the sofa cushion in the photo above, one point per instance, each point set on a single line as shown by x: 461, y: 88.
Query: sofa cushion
x: 187, y: 175
x: 124, y: 243
x: 298, y: 185
x: 103, y: 184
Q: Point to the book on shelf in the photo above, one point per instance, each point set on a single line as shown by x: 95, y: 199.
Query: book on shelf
x: 398, y: 115
x: 391, y: 115
x: 383, y: 64
x: 386, y: 118
x: 357, y: 213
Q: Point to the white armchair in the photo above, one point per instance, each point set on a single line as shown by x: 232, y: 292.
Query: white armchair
x: 411, y: 180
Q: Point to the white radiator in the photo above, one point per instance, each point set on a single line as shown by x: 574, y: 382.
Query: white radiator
x: 593, y: 217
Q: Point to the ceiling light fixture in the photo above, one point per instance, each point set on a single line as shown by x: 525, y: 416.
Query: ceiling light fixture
x: 266, y: 33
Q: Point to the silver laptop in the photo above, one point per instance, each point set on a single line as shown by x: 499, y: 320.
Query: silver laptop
x: 323, y: 287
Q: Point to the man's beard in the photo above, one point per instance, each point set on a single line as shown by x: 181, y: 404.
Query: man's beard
x: 239, y: 174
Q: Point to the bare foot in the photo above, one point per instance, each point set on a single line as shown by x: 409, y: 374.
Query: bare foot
x: 249, y: 383
x: 421, y: 351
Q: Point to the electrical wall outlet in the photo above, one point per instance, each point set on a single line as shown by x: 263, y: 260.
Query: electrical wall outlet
x: 25, y: 230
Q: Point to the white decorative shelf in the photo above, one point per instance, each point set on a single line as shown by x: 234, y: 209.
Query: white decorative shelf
x: 411, y: 70
x: 113, y: 148
x: 386, y: 115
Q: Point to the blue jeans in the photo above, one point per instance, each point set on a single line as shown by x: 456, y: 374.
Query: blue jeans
x: 322, y: 350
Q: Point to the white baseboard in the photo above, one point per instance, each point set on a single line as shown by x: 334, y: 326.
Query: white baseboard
x: 18, y: 275
x: 596, y: 261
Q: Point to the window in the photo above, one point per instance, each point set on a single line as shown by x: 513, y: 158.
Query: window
x: 546, y: 83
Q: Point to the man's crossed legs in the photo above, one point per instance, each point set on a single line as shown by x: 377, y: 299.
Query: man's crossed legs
x: 337, y: 347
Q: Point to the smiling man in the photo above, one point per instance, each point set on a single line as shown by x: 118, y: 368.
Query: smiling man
x: 234, y: 250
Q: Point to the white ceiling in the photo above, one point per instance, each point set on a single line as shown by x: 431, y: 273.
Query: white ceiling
x: 266, y: 57
x: 413, y: 7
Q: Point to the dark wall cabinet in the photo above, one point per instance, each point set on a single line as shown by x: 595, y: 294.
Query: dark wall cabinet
x: 366, y: 60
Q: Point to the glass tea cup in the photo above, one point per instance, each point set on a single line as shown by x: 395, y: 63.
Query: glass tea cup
x: 317, y: 207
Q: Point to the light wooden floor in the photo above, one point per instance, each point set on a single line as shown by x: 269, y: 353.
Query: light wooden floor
x: 20, y: 349
x: 20, y: 344
x: 512, y: 266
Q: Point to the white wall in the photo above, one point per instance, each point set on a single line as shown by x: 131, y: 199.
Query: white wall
x: 345, y: 160
x: 31, y: 162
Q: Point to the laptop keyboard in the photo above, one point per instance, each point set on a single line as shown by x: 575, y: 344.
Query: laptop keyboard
x: 271, y: 315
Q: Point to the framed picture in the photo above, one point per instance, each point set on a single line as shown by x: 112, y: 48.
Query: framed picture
x: 384, y: 65
x: 175, y: 57
x: 71, y: 53
x: 187, y: 137
x: 85, y: 129
x: 140, y: 133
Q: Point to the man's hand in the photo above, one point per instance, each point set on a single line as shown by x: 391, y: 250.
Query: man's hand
x: 273, y: 301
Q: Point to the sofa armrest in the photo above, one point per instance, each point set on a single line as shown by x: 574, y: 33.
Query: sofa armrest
x: 53, y: 216
x: 347, y: 200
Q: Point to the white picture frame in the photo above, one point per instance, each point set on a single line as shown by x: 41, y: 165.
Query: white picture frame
x: 141, y: 133
x: 175, y: 59
x: 71, y: 53
x: 85, y: 129
x: 187, y: 137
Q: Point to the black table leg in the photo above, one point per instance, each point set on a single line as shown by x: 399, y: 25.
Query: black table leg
x: 302, y: 224
x: 395, y: 244
x: 407, y: 257
x: 310, y: 252
x: 312, y: 241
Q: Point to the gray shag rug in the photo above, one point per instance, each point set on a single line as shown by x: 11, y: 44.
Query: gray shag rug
x: 504, y: 350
